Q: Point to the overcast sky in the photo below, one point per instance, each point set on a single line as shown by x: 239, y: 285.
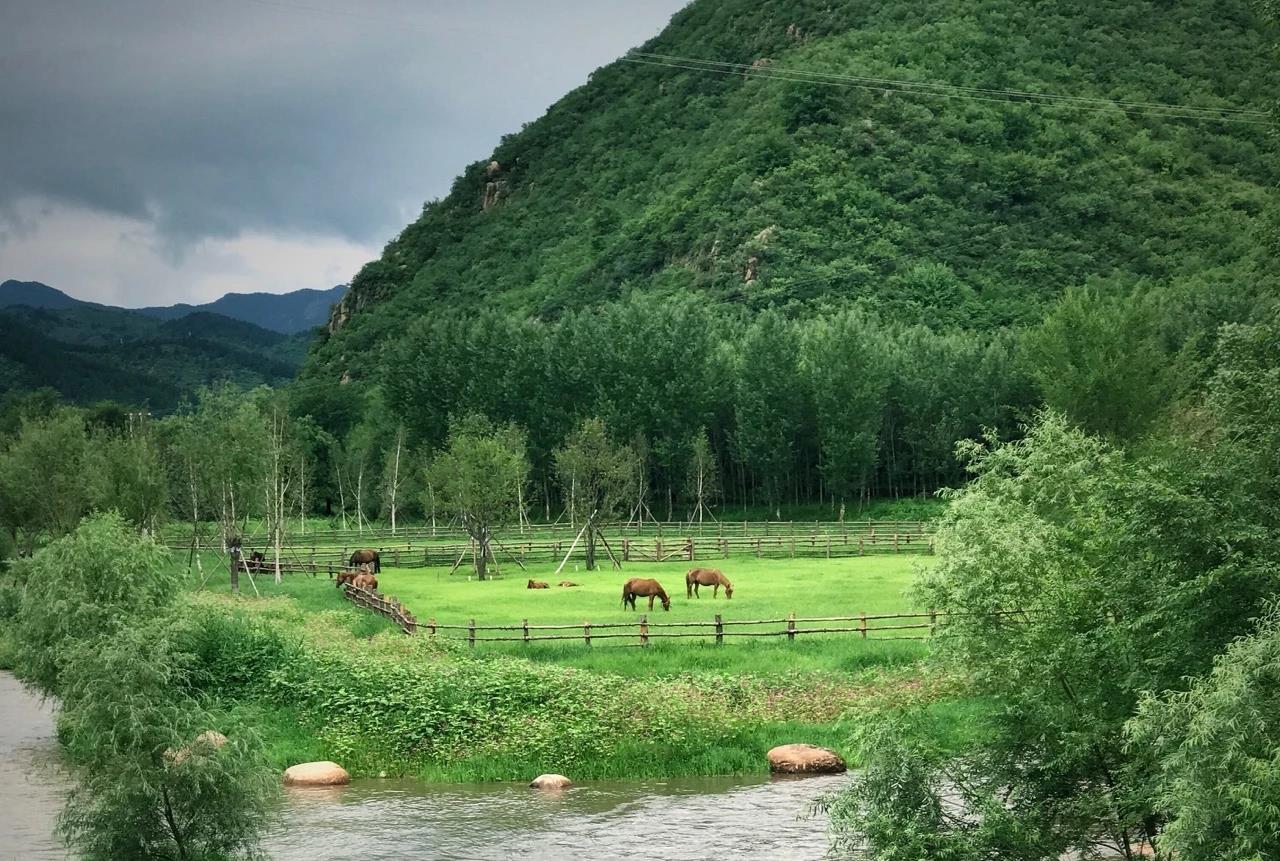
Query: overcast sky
x: 160, y: 151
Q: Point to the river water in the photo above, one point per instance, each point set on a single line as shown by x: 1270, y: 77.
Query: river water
x: 31, y: 787
x: 691, y: 818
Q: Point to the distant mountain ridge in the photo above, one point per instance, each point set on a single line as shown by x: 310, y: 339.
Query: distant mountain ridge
x: 286, y: 313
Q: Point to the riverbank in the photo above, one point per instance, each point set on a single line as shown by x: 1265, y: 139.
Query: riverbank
x: 340, y: 684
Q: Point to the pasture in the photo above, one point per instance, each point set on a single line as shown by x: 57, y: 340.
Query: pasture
x: 763, y: 589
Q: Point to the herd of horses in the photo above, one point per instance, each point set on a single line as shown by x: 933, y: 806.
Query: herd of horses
x: 645, y: 587
x: 365, y: 565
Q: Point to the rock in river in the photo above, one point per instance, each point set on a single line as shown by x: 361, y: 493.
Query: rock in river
x: 316, y: 774
x: 805, y: 759
x: 550, y: 781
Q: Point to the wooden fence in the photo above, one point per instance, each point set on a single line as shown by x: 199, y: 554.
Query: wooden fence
x: 388, y: 608
x: 643, y: 632
x: 671, y: 531
x: 330, y: 560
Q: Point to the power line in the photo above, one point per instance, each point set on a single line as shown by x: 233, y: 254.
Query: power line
x: 902, y: 88
x: 957, y: 87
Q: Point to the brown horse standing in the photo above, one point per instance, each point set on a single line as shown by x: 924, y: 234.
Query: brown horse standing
x: 643, y: 588
x: 707, y: 577
x: 365, y: 581
x: 367, y: 557
x: 346, y: 577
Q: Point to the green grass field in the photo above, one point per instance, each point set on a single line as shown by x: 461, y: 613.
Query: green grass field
x: 763, y: 589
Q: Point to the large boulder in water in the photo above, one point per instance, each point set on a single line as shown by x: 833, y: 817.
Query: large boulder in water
x: 550, y: 781
x: 316, y: 774
x: 805, y: 759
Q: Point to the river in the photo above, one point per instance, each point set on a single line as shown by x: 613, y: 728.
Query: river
x: 690, y: 818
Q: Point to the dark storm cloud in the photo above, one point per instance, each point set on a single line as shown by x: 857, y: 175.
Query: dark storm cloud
x: 213, y: 118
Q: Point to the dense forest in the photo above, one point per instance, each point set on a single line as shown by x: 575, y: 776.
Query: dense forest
x: 90, y: 353
x: 860, y: 244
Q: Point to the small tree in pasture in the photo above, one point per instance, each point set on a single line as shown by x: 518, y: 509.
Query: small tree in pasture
x: 480, y: 474
x: 395, y: 476
x: 600, y: 473
x: 703, y: 480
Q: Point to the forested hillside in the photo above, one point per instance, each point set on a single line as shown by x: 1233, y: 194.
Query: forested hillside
x: 836, y: 273
x: 91, y: 353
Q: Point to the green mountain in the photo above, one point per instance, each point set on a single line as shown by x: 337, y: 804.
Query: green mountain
x: 91, y: 352
x: 286, y: 313
x: 811, y: 172
x: 828, y: 232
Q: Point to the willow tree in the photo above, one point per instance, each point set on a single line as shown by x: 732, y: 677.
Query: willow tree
x: 601, y: 473
x: 481, y: 474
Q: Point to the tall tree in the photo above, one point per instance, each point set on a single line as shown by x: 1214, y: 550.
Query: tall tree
x: 480, y: 474
x: 595, y: 475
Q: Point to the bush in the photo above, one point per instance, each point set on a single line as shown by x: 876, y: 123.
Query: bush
x: 91, y: 583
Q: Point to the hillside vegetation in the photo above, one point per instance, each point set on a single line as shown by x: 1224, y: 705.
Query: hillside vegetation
x: 90, y: 353
x: 838, y: 279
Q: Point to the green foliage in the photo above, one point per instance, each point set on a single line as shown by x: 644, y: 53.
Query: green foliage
x: 1082, y: 579
x: 481, y: 476
x: 125, y: 471
x: 595, y: 475
x: 1102, y: 363
x: 42, y: 477
x: 87, y: 353
x: 93, y: 583
x: 153, y: 783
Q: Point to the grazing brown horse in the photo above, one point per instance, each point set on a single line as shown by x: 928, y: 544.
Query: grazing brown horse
x: 567, y: 583
x: 367, y: 557
x: 366, y: 581
x: 643, y: 588
x: 538, y: 584
x: 707, y: 577
x: 346, y: 577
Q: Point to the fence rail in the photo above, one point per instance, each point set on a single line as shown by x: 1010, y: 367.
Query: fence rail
x: 674, y: 530
x: 329, y: 560
x: 867, y: 626
x: 388, y: 608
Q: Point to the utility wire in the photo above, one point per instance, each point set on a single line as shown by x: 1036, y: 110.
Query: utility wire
x: 801, y: 77
x: 955, y: 87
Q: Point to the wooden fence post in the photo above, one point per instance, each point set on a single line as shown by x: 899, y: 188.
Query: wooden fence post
x: 862, y: 626
x: 526, y: 630
x: 791, y: 627
x: 431, y: 625
x: 933, y: 621
x: 471, y: 633
x: 644, y: 630
x: 626, y: 550
x: 689, y: 549
x: 719, y: 631
x: 586, y: 632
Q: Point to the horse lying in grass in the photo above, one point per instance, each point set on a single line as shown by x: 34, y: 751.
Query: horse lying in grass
x: 567, y: 583
x: 639, y: 587
x: 538, y: 584
x: 707, y: 577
